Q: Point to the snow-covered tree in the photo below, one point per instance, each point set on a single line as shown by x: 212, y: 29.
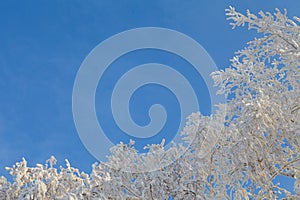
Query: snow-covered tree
x: 236, y: 153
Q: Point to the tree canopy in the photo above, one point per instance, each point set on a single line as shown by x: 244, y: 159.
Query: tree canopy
x: 236, y: 153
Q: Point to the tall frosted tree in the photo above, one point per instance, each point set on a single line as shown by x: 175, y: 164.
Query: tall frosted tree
x: 236, y: 153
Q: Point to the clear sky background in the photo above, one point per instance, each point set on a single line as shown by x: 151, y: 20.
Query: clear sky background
x: 43, y: 43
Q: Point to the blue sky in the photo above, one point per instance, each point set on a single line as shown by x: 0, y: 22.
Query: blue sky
x: 43, y: 44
